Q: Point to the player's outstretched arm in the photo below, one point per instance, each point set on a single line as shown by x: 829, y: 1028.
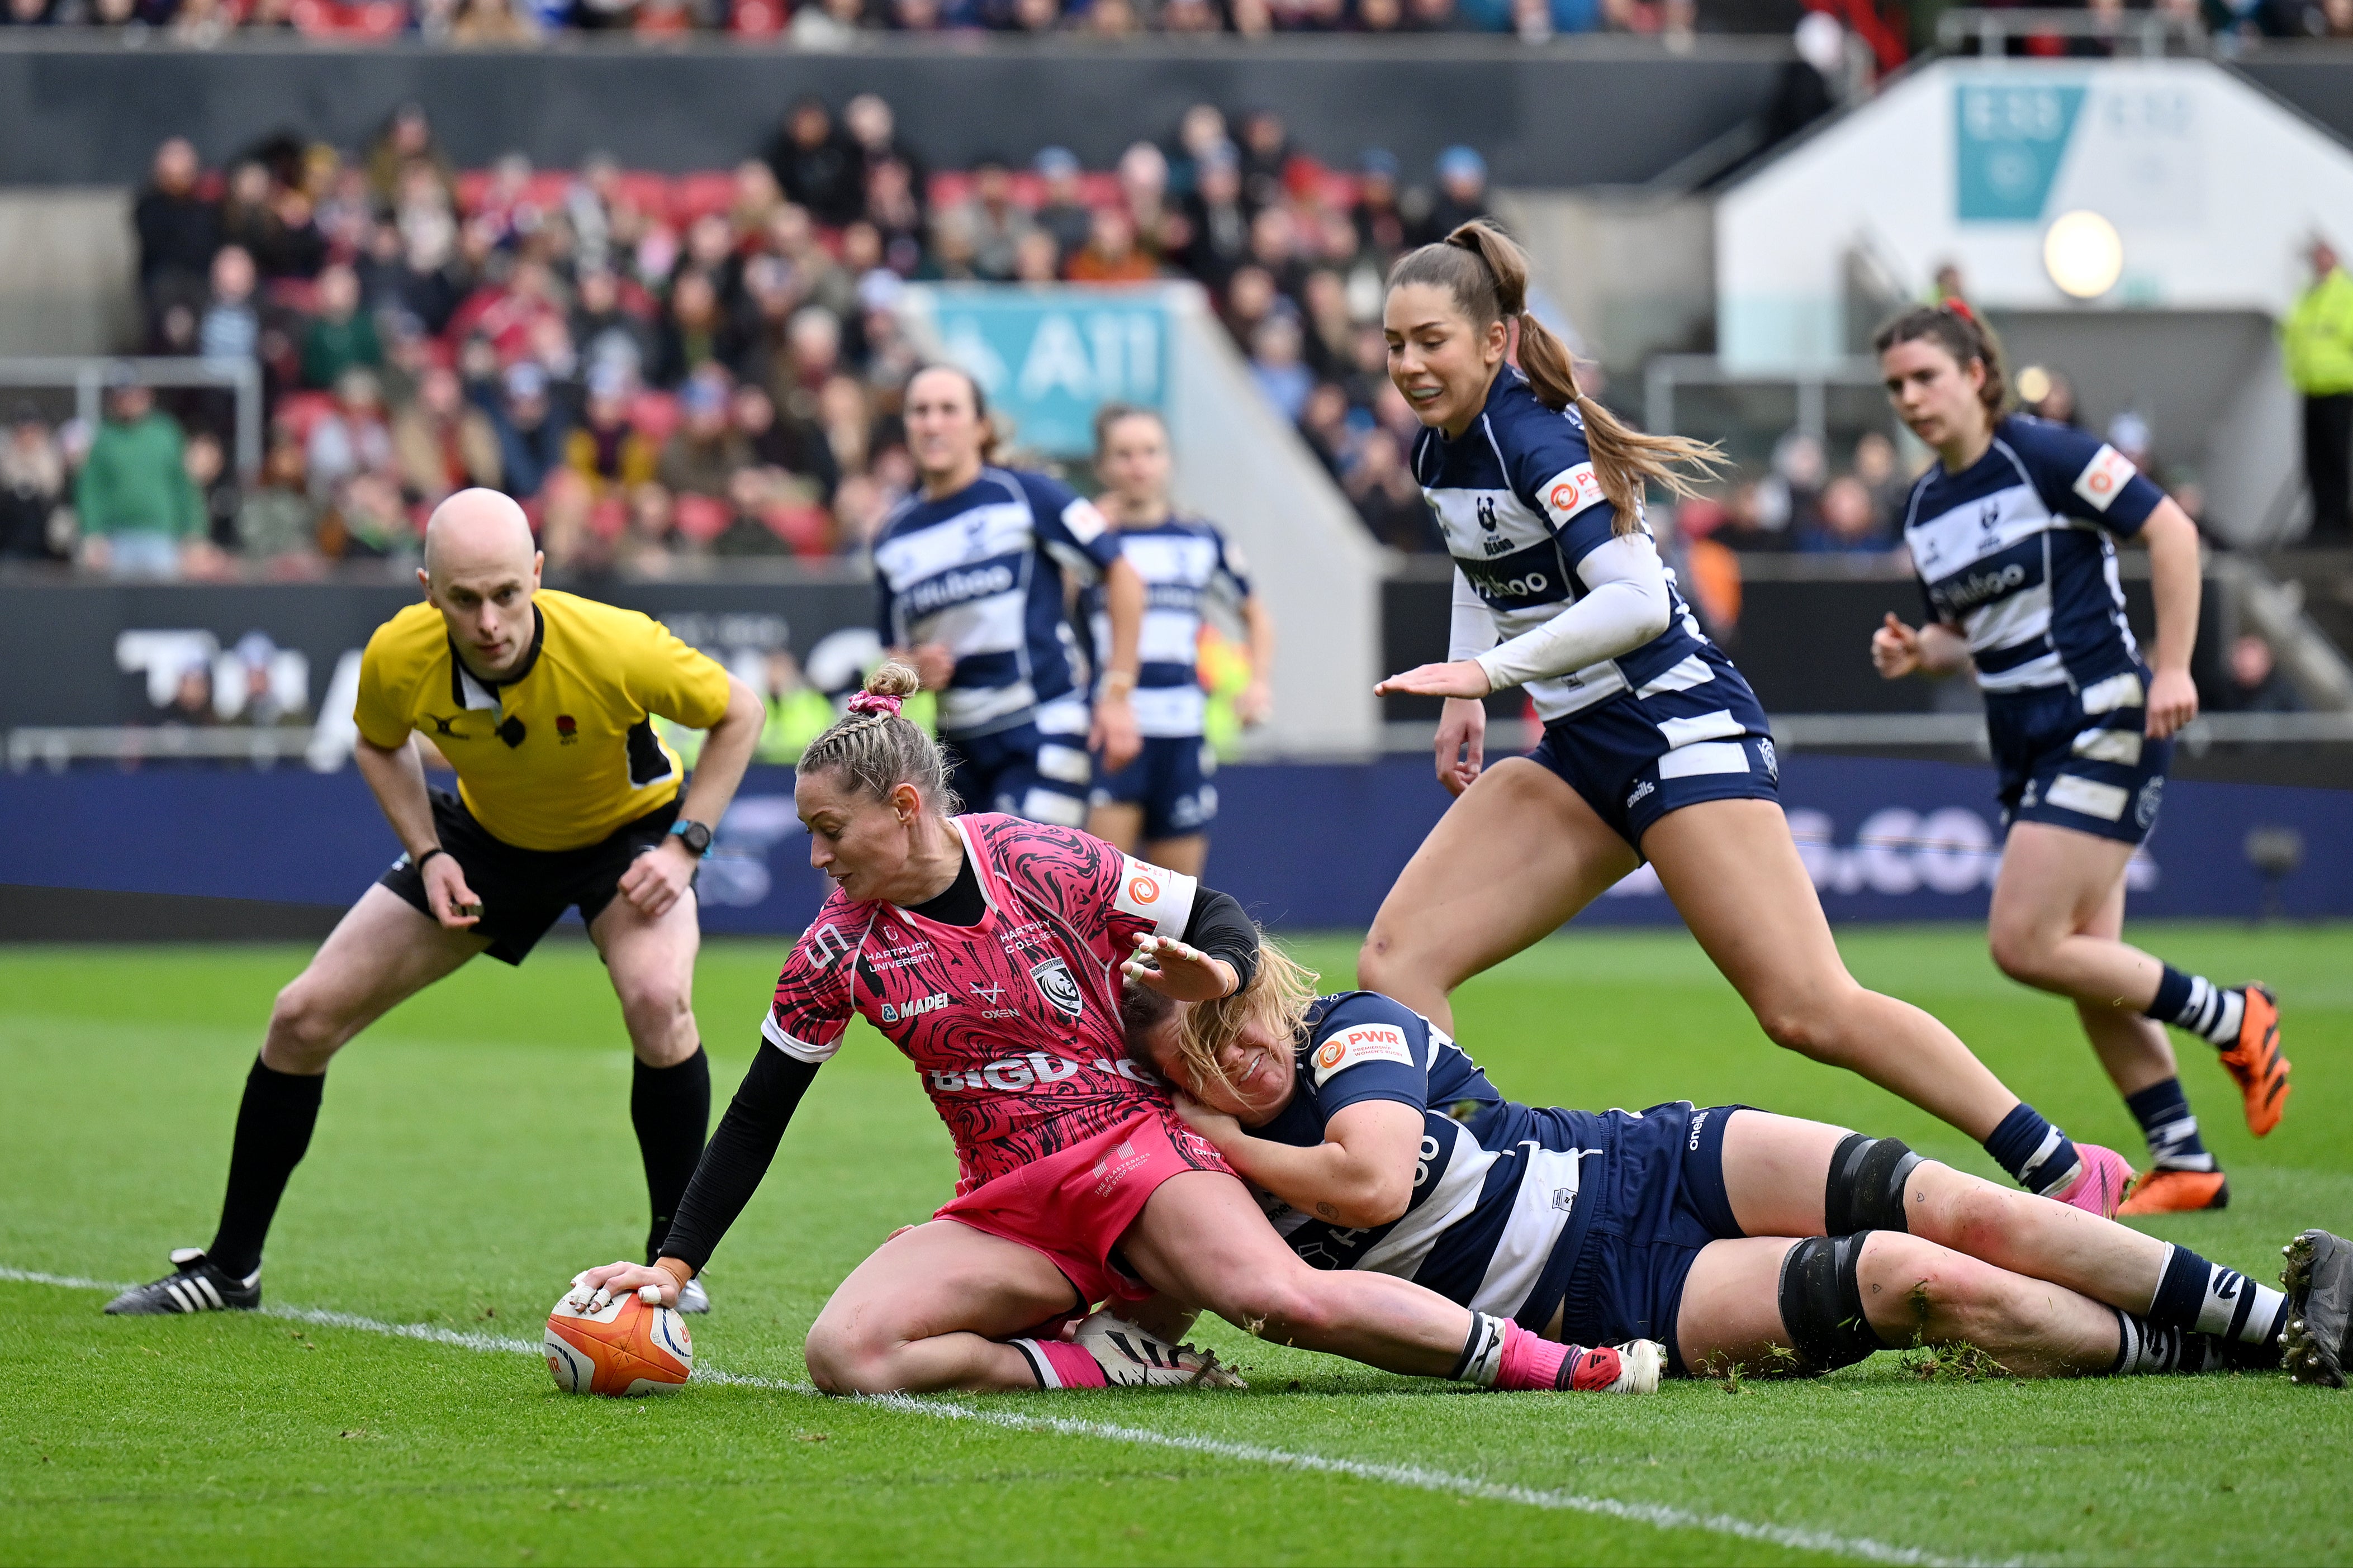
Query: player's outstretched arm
x: 396, y: 777
x: 1114, y: 733
x: 2173, y: 570
x: 733, y: 1165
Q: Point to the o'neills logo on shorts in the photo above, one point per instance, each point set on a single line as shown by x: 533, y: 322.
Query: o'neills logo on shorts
x: 1112, y: 1166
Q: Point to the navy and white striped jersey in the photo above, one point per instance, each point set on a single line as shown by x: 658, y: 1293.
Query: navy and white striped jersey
x: 981, y: 573
x: 2015, y: 552
x: 1495, y: 1192
x: 1520, y: 506
x: 1184, y: 565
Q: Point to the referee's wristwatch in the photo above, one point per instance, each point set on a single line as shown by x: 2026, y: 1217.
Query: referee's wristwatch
x: 696, y: 836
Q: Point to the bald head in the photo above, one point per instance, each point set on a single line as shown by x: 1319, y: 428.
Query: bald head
x: 478, y: 530
x: 480, y: 571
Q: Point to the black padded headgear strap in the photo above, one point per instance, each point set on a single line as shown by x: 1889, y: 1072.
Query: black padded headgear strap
x: 1822, y: 1303
x: 1865, y: 1190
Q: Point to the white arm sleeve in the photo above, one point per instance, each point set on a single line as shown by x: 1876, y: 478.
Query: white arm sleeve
x: 1625, y: 605
x: 1472, y: 630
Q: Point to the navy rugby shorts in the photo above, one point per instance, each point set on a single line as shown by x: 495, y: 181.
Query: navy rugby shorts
x: 1637, y: 755
x: 2078, y: 759
x: 1657, y: 1198
x: 525, y: 891
x: 1170, y: 780
x: 1039, y: 769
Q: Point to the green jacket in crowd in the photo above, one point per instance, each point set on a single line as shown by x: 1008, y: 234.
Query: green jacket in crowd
x: 330, y: 348
x: 134, y: 481
x: 2318, y: 338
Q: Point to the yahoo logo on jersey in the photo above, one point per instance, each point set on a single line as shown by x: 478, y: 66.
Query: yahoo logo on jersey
x: 955, y: 587
x: 1007, y: 1075
x: 1979, y: 589
x: 893, y: 1013
x: 1492, y: 585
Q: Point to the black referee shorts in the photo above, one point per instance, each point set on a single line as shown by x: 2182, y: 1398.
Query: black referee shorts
x: 525, y: 891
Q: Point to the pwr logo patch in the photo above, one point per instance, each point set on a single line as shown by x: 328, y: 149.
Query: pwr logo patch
x: 2104, y: 478
x: 1361, y: 1044
x: 1571, y: 491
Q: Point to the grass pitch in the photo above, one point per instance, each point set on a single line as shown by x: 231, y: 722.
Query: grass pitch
x: 475, y: 1151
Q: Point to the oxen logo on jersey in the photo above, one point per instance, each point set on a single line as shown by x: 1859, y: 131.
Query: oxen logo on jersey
x: 1060, y: 987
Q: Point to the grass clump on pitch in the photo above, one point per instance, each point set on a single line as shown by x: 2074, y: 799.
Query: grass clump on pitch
x: 475, y: 1150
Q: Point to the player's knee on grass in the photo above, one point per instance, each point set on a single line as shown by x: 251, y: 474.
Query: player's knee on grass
x: 1283, y: 1310
x: 1915, y: 1292
x: 838, y: 1363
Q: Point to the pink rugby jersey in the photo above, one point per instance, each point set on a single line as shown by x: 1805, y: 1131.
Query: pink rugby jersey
x: 1014, y: 1023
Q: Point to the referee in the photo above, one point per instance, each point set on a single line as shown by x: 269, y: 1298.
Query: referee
x: 544, y: 704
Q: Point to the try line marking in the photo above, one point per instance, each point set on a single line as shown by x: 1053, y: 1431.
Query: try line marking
x: 1414, y: 1477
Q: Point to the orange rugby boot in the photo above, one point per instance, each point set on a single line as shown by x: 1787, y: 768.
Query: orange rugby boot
x: 2176, y: 1192
x: 2256, y: 1063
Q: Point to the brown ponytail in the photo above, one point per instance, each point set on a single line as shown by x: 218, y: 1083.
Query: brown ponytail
x: 1955, y: 328
x: 1486, y: 273
x: 878, y: 750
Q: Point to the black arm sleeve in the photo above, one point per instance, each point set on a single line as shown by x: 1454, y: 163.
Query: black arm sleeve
x: 1220, y: 929
x: 738, y: 1154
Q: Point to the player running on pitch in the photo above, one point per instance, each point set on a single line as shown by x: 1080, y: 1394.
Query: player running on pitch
x: 1163, y: 800
x: 1731, y: 1235
x: 1654, y: 747
x: 2012, y: 534
x: 986, y: 949
x: 970, y: 573
x: 544, y: 703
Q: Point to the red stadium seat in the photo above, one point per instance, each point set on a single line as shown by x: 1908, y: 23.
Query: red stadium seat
x: 654, y: 416
x: 702, y: 518
x: 756, y: 18
x: 299, y: 411
x: 693, y: 195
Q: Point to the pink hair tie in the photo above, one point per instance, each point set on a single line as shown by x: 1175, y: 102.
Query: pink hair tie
x: 876, y: 702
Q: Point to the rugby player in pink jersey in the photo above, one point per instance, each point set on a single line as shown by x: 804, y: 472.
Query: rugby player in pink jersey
x: 992, y: 951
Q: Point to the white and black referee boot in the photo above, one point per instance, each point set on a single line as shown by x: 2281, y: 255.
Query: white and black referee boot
x: 1131, y: 1358
x: 693, y: 1297
x: 195, y: 1284
x: 2320, y: 1280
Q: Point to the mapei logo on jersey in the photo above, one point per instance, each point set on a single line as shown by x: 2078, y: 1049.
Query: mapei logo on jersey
x: 2104, y: 476
x: 1060, y: 987
x: 1572, y: 490
x: 1363, y: 1043
x: 893, y: 1013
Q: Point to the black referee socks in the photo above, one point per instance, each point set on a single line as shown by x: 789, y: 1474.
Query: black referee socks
x: 671, y: 1109
x: 273, y: 1130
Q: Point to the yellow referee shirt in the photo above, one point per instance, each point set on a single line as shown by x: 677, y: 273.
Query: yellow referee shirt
x: 563, y: 753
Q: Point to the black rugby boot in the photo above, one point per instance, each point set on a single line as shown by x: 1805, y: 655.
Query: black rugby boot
x: 195, y: 1284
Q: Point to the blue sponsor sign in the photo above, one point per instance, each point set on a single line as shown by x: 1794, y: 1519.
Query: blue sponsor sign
x: 1049, y: 357
x: 1306, y: 846
x: 2008, y: 140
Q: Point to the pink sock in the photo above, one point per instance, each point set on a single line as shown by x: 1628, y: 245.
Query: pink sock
x: 1059, y: 1366
x: 1530, y: 1361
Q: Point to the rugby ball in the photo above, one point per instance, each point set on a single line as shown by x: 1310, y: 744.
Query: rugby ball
x: 628, y: 1348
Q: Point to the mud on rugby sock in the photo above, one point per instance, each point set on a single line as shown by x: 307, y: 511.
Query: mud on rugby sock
x: 273, y: 1130
x: 2194, y: 1294
x: 1482, y: 1361
x: 2163, y: 1113
x: 2194, y: 1002
x: 671, y: 1109
x: 2038, y: 1157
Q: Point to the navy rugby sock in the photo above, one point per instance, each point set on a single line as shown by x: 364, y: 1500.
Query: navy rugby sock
x: 2038, y: 1157
x: 2194, y: 1002
x: 2163, y: 1113
x: 671, y: 1109
x: 2193, y: 1294
x: 273, y: 1131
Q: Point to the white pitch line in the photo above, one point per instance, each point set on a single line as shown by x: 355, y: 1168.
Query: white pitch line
x: 1414, y: 1477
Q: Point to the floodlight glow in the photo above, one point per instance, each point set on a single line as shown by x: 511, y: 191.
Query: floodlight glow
x: 2084, y: 255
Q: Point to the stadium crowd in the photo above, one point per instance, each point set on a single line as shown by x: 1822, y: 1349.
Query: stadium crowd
x: 703, y: 365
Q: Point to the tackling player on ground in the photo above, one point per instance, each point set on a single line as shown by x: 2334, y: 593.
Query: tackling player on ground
x: 971, y: 572
x: 989, y: 950
x: 1653, y: 746
x: 1731, y: 1235
x: 2012, y: 533
x: 544, y: 703
x: 1163, y: 800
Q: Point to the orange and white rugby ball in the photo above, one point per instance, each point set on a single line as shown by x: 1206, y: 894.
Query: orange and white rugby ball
x: 629, y: 1348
